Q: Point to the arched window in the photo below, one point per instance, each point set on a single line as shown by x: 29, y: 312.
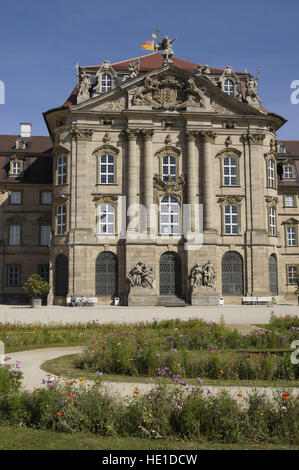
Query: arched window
x: 106, y: 274
x: 107, y: 219
x: 60, y: 219
x: 106, y: 83
x: 107, y: 169
x: 168, y: 167
x: 272, y: 221
x: 229, y: 171
x: 232, y: 274
x: 61, y: 276
x: 229, y: 87
x: 271, y: 173
x: 169, y: 215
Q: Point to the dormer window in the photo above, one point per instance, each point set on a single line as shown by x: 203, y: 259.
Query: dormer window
x: 15, y: 168
x: 106, y: 83
x: 20, y: 144
x: 288, y: 172
x: 229, y: 87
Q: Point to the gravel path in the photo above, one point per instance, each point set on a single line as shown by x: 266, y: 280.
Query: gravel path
x: 31, y: 362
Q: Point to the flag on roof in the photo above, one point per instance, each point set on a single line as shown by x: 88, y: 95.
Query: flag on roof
x: 149, y: 45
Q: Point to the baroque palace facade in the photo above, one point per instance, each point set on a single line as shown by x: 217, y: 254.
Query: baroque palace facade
x: 162, y: 182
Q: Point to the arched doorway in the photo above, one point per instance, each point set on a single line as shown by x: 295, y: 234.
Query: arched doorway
x: 232, y: 274
x: 61, y: 286
x: 106, y: 274
x: 170, y: 274
x: 273, y: 284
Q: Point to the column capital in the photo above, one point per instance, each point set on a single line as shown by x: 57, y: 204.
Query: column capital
x: 147, y: 134
x: 131, y: 133
x: 253, y: 139
x: 208, y: 136
x: 191, y: 135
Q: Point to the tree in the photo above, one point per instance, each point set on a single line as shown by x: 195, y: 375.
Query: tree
x: 35, y: 287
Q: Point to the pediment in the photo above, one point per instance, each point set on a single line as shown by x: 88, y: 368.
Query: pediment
x: 168, y: 88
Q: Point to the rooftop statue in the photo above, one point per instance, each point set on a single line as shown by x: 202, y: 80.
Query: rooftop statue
x: 252, y: 95
x: 165, y: 45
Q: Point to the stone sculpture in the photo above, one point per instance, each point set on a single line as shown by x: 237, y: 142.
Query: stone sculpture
x: 252, y: 96
x: 84, y: 85
x: 203, y: 276
x: 141, y: 276
x: 165, y: 45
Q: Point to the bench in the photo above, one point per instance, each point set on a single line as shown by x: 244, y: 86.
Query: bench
x: 249, y: 300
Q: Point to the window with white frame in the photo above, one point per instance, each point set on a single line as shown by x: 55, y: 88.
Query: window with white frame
x: 15, y: 168
x: 45, y: 234
x: 289, y: 200
x: 271, y: 173
x: 169, y: 215
x: 292, y: 273
x: 291, y: 236
x: 229, y: 171
x: 13, y: 275
x: 231, y: 220
x: 107, y: 169
x: 15, y: 197
x: 168, y: 167
x: 107, y: 219
x: 229, y: 87
x: 61, y: 220
x: 106, y: 83
x: 272, y: 221
x: 14, y: 235
x: 46, y: 197
x: 288, y: 172
x: 61, y: 169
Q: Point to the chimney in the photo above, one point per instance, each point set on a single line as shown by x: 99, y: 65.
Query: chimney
x: 25, y: 129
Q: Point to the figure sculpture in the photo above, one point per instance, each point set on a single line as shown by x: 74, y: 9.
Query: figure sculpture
x: 141, y: 276
x: 165, y: 44
x: 252, y: 96
x: 203, y: 276
x: 84, y: 84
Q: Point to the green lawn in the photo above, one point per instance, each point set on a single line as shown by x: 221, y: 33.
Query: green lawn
x: 17, y: 438
x: 64, y: 366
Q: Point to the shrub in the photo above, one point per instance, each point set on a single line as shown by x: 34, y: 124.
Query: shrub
x: 35, y: 287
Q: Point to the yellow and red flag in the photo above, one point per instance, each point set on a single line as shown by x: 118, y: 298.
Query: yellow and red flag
x: 149, y: 45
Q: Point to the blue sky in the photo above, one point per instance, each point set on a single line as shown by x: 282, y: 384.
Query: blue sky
x: 40, y: 43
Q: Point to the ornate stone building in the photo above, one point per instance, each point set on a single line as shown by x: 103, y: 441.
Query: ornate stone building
x: 168, y: 186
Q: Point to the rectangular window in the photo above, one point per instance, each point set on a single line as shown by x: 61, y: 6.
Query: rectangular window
x: 107, y: 169
x: 15, y: 197
x: 60, y: 220
x: 231, y: 220
x: 46, y: 197
x: 107, y: 219
x: 169, y: 168
x: 45, y: 234
x: 13, y: 275
x: 288, y: 172
x: 272, y: 221
x: 229, y: 171
x: 292, y: 272
x: 14, y: 235
x: 291, y: 236
x: 289, y: 200
x: 43, y: 271
x: 15, y: 168
x: 61, y: 170
x: 271, y: 174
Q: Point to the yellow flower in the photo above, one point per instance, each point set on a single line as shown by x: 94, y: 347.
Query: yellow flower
x: 221, y: 371
x: 262, y: 414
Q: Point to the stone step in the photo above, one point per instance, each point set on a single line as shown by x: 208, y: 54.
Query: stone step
x: 171, y: 301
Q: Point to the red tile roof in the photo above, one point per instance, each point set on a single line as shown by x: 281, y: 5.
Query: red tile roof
x: 291, y: 146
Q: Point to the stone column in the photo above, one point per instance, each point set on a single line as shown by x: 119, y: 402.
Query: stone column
x: 148, y: 174
x: 192, y: 175
x: 131, y: 170
x: 208, y: 191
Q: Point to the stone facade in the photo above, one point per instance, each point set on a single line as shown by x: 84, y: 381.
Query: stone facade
x: 172, y: 137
